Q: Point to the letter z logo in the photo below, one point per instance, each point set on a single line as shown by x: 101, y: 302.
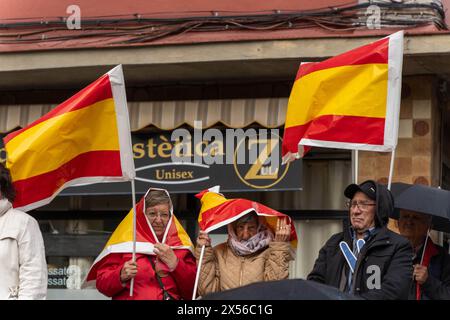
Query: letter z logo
x: 262, y: 158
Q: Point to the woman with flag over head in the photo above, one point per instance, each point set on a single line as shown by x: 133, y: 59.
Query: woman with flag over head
x: 164, y: 268
x: 259, y: 247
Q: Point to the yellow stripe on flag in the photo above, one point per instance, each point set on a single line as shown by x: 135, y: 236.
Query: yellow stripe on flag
x: 185, y: 240
x: 123, y: 232
x: 63, y: 138
x: 359, y: 90
x: 210, y: 200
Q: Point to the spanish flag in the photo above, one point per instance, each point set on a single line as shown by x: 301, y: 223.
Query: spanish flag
x: 217, y: 211
x: 121, y: 241
x: 86, y: 139
x: 350, y: 101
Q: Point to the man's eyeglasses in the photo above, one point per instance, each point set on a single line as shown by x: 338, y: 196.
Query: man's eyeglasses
x: 161, y: 215
x: 363, y: 206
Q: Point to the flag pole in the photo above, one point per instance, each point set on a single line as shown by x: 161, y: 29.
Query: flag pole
x: 133, y: 194
x: 355, y: 166
x: 425, y: 246
x: 391, y: 169
x: 198, y: 272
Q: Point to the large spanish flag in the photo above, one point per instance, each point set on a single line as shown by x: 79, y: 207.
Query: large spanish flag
x: 350, y: 101
x: 85, y: 139
x: 121, y: 241
x: 217, y: 211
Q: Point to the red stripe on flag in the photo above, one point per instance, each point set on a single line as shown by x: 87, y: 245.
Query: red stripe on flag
x: 97, y: 91
x: 233, y: 208
x: 376, y: 52
x: 89, y: 164
x: 347, y: 129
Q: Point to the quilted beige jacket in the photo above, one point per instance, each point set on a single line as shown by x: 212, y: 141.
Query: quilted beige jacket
x: 221, y: 269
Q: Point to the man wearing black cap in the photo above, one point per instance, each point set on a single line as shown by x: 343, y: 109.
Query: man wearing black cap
x: 367, y: 260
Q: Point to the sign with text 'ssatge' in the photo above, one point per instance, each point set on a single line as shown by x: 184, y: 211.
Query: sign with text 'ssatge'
x: 192, y: 160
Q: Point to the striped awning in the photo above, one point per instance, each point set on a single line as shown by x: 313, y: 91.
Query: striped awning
x: 168, y: 115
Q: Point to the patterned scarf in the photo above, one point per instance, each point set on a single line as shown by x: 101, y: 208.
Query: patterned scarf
x: 245, y: 247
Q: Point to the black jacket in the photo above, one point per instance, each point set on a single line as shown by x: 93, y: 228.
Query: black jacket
x: 390, y: 252
x: 437, y: 286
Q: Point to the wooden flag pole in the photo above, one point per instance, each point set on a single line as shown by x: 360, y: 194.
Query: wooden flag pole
x: 391, y: 169
x: 133, y: 192
x: 198, y: 272
x: 356, y: 165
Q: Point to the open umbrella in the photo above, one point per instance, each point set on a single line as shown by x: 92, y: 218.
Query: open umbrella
x: 294, y: 289
x: 423, y: 199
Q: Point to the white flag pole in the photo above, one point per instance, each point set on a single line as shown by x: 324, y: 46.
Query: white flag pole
x: 198, y: 272
x: 391, y: 169
x: 355, y: 166
x: 133, y: 192
x: 424, y: 247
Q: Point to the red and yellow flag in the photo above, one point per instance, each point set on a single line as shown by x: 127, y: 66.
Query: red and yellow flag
x: 85, y: 139
x: 217, y: 211
x: 350, y: 101
x: 121, y: 241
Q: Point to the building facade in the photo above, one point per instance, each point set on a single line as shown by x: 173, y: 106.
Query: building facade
x: 234, y: 72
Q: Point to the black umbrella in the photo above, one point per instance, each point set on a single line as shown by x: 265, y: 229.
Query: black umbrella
x: 295, y: 289
x: 423, y: 199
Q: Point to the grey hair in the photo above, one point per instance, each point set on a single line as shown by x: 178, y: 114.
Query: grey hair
x: 247, y: 218
x: 157, y: 197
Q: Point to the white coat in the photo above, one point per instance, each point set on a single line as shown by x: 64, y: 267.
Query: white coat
x: 23, y: 269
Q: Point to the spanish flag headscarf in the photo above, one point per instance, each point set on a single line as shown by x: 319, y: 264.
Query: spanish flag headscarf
x: 218, y: 211
x: 121, y: 241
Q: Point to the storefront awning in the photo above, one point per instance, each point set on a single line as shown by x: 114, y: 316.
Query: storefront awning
x: 168, y: 115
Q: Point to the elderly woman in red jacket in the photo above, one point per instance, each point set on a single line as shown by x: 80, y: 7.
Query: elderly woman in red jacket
x: 169, y: 273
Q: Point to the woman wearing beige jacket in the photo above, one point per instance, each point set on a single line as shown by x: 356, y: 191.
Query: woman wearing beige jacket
x: 251, y: 254
x: 23, y: 270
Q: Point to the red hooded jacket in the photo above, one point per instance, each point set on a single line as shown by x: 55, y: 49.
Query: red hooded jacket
x: 179, y: 283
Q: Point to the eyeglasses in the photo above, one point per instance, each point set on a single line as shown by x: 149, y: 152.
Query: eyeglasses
x: 363, y: 206
x: 161, y: 215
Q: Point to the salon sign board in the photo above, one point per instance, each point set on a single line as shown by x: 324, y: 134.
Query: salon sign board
x: 189, y: 160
